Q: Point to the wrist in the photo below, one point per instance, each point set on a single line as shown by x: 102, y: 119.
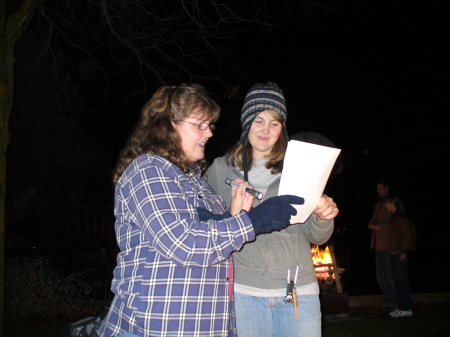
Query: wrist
x: 318, y: 219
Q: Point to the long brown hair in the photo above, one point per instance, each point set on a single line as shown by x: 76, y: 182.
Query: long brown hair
x: 154, y: 132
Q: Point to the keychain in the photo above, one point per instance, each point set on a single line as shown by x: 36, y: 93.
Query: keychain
x: 291, y: 295
x: 294, y: 295
x: 290, y: 290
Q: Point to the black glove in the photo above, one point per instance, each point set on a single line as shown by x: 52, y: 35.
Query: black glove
x: 206, y: 215
x: 274, y: 213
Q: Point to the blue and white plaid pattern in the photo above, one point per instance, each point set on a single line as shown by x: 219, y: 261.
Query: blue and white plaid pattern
x: 171, y: 274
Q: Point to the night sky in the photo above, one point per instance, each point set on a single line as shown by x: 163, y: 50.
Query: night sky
x: 372, y: 76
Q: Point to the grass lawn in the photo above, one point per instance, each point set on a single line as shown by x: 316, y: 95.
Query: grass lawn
x: 35, y: 329
x: 429, y: 320
x: 385, y: 327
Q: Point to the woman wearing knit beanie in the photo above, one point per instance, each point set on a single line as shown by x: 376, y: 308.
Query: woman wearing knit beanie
x: 264, y: 304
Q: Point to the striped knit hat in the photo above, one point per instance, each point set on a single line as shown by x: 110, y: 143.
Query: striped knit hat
x: 259, y: 98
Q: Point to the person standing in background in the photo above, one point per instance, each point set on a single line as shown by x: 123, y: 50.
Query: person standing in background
x: 402, y: 244
x: 380, y: 226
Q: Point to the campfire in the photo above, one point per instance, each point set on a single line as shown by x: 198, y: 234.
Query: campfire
x: 333, y: 301
x: 327, y: 271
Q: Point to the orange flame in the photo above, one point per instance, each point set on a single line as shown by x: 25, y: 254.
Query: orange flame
x: 322, y: 257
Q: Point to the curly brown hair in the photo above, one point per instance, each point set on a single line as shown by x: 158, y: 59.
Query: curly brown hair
x: 234, y: 155
x: 154, y: 132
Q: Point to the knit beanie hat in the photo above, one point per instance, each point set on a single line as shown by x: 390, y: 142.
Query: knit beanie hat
x: 259, y: 98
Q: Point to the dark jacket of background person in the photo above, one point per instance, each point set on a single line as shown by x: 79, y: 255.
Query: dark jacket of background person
x: 404, y: 233
x: 382, y: 217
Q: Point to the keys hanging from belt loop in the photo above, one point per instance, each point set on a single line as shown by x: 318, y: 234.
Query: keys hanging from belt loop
x: 290, y: 290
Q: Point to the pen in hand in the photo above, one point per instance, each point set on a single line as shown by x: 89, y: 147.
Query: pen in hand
x: 258, y: 195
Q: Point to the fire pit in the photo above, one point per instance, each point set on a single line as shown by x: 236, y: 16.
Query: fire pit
x: 332, y: 299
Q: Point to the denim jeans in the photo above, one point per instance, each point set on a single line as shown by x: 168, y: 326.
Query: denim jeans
x: 128, y: 335
x: 385, y: 276
x: 271, y: 316
x: 401, y: 281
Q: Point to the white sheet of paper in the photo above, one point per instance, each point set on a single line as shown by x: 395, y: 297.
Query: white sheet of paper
x: 306, y: 170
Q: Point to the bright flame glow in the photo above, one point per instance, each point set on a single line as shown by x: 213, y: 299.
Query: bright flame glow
x: 319, y: 257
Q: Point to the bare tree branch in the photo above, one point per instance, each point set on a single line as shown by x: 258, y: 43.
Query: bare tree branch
x: 183, y: 40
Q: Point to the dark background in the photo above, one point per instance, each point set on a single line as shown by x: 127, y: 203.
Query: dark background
x: 370, y: 76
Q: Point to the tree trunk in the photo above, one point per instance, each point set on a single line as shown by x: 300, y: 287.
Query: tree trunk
x: 6, y: 99
x: 11, y: 29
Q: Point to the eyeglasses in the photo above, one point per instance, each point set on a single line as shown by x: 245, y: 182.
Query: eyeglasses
x: 201, y: 126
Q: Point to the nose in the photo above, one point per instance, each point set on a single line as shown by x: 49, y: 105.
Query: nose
x: 265, y: 128
x: 208, y: 132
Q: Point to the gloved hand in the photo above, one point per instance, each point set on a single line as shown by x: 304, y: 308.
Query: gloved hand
x: 274, y: 213
x: 206, y: 215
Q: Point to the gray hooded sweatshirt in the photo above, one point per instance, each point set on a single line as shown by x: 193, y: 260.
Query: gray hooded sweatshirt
x: 264, y: 262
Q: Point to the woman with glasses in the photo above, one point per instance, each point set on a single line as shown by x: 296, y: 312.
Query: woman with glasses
x: 173, y: 275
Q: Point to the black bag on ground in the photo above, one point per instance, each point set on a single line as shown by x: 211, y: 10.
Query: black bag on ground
x: 87, y: 327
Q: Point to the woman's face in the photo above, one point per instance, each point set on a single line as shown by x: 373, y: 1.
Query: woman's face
x: 193, y: 140
x: 264, y: 133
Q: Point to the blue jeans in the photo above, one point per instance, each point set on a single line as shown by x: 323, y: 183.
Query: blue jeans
x: 128, y: 335
x: 401, y: 281
x: 271, y: 316
x: 385, y: 276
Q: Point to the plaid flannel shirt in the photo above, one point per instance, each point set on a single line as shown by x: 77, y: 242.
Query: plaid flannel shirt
x: 171, y: 277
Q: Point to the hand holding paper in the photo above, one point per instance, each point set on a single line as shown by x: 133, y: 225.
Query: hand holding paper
x: 326, y: 209
x: 306, y: 170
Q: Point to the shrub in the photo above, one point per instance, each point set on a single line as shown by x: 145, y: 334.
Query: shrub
x: 34, y: 291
